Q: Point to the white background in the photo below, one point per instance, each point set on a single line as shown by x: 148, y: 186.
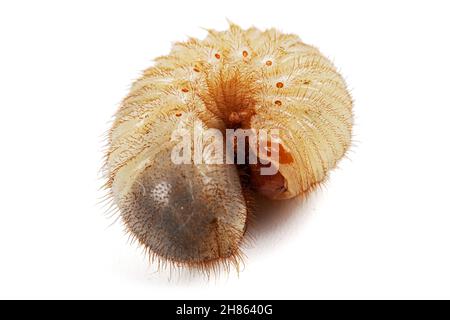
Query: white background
x: 380, y: 228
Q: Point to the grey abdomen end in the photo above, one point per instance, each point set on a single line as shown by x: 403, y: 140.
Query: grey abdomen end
x: 187, y: 213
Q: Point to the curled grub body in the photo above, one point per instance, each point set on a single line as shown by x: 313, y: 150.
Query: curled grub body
x: 197, y: 214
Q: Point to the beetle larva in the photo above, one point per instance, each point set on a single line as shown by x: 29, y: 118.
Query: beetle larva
x: 195, y: 214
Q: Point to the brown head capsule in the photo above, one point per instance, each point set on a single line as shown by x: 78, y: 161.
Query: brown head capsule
x: 191, y: 209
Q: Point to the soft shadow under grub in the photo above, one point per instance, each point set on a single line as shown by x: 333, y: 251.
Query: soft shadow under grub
x: 196, y: 216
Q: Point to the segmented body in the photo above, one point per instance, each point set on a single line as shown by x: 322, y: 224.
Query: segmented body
x: 236, y: 78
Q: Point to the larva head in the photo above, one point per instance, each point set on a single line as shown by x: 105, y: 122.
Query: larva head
x: 274, y: 185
